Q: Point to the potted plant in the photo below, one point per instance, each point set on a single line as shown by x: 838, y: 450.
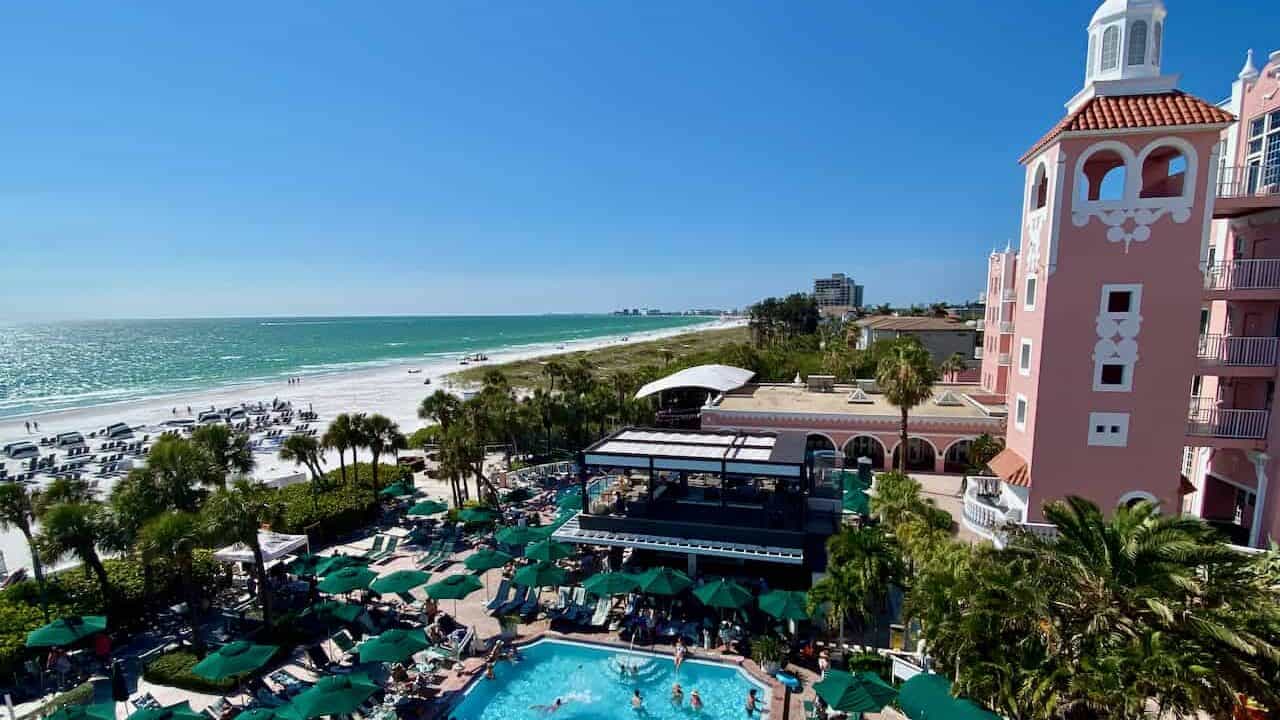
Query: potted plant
x: 509, y: 625
x: 769, y: 651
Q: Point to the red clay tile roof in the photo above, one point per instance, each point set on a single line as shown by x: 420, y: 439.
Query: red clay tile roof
x: 1011, y: 468
x: 1123, y: 112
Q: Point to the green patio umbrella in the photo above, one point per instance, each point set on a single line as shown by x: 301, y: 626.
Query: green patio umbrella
x: 723, y: 594
x: 100, y: 711
x: 548, y: 550
x: 400, y: 581
x: 856, y: 501
x: 518, y: 495
x: 334, y: 563
x: 346, y: 580
x: 331, y: 695
x: 543, y: 574
x: 67, y: 630
x: 328, y: 610
x: 395, y: 490
x: 486, y: 559
x: 234, y: 658
x: 428, y: 507
x: 785, y: 604
x: 454, y: 587
x: 181, y: 711
x: 613, y: 583
x: 854, y: 693
x: 257, y: 714
x: 663, y: 581
x: 393, y: 646
x: 477, y: 515
x: 516, y: 535
x: 572, y: 501
x: 305, y: 564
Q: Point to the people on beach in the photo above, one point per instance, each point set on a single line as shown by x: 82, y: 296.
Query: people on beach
x: 28, y: 427
x: 751, y: 702
x: 677, y: 694
x: 36, y: 424
x: 695, y: 700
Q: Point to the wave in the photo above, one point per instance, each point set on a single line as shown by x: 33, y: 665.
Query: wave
x: 231, y: 357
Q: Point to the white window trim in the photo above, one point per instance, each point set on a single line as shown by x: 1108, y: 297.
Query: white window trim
x: 1026, y: 344
x: 1126, y: 386
x: 1026, y: 410
x: 1135, y: 307
x: 1108, y: 419
x: 1029, y: 298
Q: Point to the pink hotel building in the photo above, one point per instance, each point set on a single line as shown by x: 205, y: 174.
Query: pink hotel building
x: 1133, y: 334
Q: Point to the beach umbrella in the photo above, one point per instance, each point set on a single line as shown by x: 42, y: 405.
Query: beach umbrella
x: 723, y: 594
x: 518, y: 495
x: 477, y: 515
x: 100, y: 711
x: 257, y: 714
x: 395, y: 490
x: 334, y: 563
x: 331, y: 695
x: 856, y: 501
x: 346, y: 580
x: 393, y: 646
x: 548, y: 550
x: 516, y: 535
x: 328, y: 610
x: 612, y: 583
x: 854, y: 692
x: 66, y: 631
x: 543, y: 574
x: 785, y: 604
x: 486, y: 559
x: 663, y: 581
x: 306, y: 565
x: 454, y: 587
x: 572, y: 501
x: 181, y: 711
x: 428, y: 507
x: 400, y: 581
x: 234, y: 658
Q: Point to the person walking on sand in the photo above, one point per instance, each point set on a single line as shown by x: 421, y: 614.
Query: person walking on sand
x: 28, y: 427
x: 36, y: 425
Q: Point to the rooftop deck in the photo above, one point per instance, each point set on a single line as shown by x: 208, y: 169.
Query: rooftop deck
x: 973, y: 402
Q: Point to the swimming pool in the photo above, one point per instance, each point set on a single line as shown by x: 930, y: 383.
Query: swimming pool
x: 587, y: 679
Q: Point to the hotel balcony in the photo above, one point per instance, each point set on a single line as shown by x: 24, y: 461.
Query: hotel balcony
x: 1247, y: 190
x: 979, y: 325
x: 1006, y: 327
x: 1229, y: 356
x: 977, y: 353
x: 992, y: 512
x: 1005, y: 360
x: 1211, y: 426
x: 1243, y: 280
x: 1008, y: 295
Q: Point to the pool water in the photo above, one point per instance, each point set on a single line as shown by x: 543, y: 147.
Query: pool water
x: 587, y: 679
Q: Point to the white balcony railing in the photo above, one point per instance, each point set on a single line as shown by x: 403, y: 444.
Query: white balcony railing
x: 1009, y: 295
x: 1243, y: 275
x: 994, y: 516
x: 1205, y: 419
x: 1006, y: 326
x: 977, y: 353
x: 1238, y: 351
x: 979, y: 325
x: 1249, y: 181
x: 1004, y: 359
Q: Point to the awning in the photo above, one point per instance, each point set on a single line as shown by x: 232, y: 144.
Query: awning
x: 720, y: 378
x: 1185, y: 486
x: 274, y: 546
x: 1011, y: 468
x: 928, y: 697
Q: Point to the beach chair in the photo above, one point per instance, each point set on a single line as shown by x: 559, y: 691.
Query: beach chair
x: 586, y: 611
x: 343, y: 642
x: 389, y: 549
x: 499, y: 596
x: 516, y: 602
x: 530, y: 607
x: 216, y: 708
x: 601, y: 616
x: 374, y: 549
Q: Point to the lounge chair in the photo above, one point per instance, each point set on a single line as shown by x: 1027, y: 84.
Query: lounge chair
x: 517, y: 601
x: 530, y: 607
x: 343, y: 642
x: 374, y: 549
x: 601, y: 616
x: 216, y: 708
x: 500, y: 596
x: 586, y: 611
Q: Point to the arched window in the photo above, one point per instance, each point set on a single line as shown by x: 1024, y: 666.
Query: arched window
x: 1102, y: 177
x: 1155, y: 46
x: 1164, y: 173
x: 1110, y: 48
x: 1137, y: 43
x: 1040, y: 189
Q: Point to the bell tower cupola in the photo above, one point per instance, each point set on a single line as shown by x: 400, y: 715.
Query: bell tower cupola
x: 1126, y: 39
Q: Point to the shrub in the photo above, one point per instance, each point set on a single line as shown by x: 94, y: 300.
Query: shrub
x: 78, y: 695
x: 336, y: 509
x: 174, y: 670
x: 870, y: 662
x: 768, y: 648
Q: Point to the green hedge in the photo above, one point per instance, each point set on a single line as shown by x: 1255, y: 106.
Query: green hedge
x: 338, y: 508
x: 174, y: 670
x: 872, y: 662
x: 78, y: 695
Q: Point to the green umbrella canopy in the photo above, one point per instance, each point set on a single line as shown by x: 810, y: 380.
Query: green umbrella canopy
x: 67, y: 630
x: 785, y: 604
x: 305, y: 564
x: 857, y: 501
x: 548, y: 550
x: 614, y: 583
x: 516, y: 535
x: 477, y: 515
x: 543, y: 574
x: 486, y: 560
x: 181, y: 711
x: 663, y: 581
x: 454, y: 587
x: 854, y: 693
x: 398, y: 489
x: 400, y: 581
x: 234, y: 658
x: 257, y: 714
x: 393, y: 646
x: 928, y: 697
x: 101, y: 711
x: 334, y: 563
x: 428, y: 507
x: 518, y: 495
x: 328, y: 610
x: 331, y: 695
x: 723, y: 594
x: 572, y: 501
x: 346, y: 580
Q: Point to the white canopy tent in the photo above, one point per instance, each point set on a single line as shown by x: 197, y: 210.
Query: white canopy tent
x: 274, y: 546
x: 718, y: 378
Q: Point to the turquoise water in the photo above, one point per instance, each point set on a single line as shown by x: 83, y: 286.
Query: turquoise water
x: 587, y: 680
x: 52, y: 366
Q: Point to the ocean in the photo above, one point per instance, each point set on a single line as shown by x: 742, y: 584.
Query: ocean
x: 60, y: 365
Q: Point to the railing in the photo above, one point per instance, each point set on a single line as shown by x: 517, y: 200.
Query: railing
x: 1005, y: 360
x: 1249, y: 181
x: 1243, y: 275
x: 979, y: 325
x: 1009, y: 295
x: 981, y: 516
x: 977, y: 353
x: 1006, y: 326
x: 1205, y: 419
x: 1239, y: 351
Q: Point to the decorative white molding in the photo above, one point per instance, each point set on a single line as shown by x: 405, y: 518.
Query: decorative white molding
x: 1117, y: 337
x: 1143, y: 218
x: 1035, y: 225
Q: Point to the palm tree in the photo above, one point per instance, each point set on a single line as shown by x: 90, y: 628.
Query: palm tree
x: 905, y: 376
x: 552, y: 369
x: 179, y: 466
x: 441, y: 408
x: 838, y: 592
x: 340, y: 436
x: 896, y: 496
x: 546, y: 405
x: 17, y: 511
x: 228, y: 450
x: 953, y: 365
x: 177, y: 535
x: 235, y: 514
x: 381, y: 435
x: 305, y: 451
x: 74, y: 528
x: 870, y: 558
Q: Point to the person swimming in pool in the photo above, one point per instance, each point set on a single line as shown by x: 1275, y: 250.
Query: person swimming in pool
x: 637, y: 703
x: 751, y: 702
x: 695, y: 700
x: 548, y: 709
x: 677, y: 694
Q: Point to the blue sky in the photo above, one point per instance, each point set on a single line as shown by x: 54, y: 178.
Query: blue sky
x: 363, y: 158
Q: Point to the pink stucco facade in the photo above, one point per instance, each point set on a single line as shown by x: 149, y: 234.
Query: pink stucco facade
x: 1002, y: 269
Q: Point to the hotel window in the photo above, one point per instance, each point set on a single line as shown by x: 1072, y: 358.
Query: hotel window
x: 1262, y: 159
x: 1108, y: 429
x: 1029, y: 296
x: 1116, y: 353
x: 1138, y: 43
x: 1024, y: 357
x: 1020, y: 413
x: 1111, y: 48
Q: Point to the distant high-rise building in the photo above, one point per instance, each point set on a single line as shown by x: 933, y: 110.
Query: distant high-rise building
x: 839, y: 290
